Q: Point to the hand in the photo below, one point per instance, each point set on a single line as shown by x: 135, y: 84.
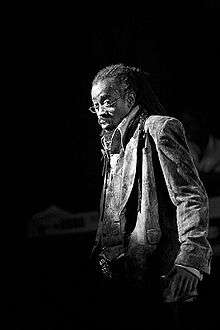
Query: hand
x: 182, y: 285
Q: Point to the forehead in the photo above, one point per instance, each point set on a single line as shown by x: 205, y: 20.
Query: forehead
x: 101, y: 88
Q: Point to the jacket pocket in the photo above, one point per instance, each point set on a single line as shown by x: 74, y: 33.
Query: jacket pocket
x: 153, y: 236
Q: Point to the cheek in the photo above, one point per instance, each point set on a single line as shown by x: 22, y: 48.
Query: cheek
x: 122, y: 112
x: 117, y: 117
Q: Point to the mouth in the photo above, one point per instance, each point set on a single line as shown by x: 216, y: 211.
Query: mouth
x: 103, y: 120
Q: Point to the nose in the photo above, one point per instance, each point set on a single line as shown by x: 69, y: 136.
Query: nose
x: 101, y: 110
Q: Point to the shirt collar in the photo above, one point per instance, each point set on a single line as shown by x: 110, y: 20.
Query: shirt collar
x: 119, y: 132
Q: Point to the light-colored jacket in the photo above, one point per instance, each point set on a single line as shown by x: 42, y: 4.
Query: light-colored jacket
x: 172, y: 219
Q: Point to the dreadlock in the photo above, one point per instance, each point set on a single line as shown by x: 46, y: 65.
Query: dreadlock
x: 128, y: 79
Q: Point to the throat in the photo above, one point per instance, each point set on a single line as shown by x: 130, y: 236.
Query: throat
x: 108, y: 137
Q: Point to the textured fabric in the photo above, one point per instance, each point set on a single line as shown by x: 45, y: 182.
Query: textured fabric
x: 186, y: 192
x: 193, y: 271
x: 169, y: 221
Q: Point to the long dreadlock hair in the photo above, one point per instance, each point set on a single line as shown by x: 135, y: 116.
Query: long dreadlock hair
x: 132, y: 79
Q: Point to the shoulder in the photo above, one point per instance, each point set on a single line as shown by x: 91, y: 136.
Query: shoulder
x: 157, y: 124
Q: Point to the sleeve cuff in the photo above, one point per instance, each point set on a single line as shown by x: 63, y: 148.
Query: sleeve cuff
x: 194, y: 271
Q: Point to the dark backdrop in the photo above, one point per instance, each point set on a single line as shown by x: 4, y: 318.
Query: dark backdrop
x: 62, y: 55
x: 56, y: 157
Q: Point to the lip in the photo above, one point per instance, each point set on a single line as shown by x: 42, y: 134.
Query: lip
x: 103, y: 121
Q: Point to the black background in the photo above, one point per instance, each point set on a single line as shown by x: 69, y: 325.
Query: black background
x: 55, y: 159
x: 59, y: 55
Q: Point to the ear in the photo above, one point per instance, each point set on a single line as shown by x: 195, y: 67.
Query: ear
x: 131, y: 99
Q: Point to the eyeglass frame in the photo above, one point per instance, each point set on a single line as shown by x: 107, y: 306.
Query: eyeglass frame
x: 103, y: 106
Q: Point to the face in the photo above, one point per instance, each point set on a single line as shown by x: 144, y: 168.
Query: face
x: 104, y: 93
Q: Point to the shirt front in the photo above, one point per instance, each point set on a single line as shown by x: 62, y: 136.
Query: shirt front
x: 112, y: 222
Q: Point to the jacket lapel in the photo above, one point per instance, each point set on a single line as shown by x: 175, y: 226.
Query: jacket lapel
x: 129, y: 168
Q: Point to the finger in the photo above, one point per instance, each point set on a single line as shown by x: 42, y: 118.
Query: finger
x: 190, y: 286
x: 168, y: 292
x: 176, y: 286
x: 184, y: 287
x: 194, y: 286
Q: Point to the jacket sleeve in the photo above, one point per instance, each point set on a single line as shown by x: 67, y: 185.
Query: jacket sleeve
x: 187, y: 194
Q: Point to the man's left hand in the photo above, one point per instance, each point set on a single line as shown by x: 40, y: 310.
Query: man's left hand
x: 182, y: 285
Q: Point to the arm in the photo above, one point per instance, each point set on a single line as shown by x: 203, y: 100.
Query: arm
x: 187, y: 194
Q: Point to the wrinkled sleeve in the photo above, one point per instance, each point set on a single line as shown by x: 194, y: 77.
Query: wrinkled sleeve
x: 187, y: 194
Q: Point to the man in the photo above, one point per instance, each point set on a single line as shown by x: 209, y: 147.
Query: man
x: 151, y: 240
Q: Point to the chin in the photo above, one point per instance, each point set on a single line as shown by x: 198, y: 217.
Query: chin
x: 107, y: 127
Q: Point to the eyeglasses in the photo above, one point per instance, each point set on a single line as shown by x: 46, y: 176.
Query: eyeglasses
x: 106, y: 105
